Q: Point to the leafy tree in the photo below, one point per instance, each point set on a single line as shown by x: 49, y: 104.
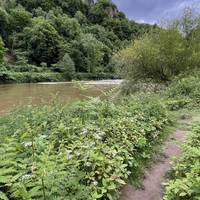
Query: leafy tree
x: 121, y: 27
x: 19, y: 18
x: 159, y: 55
x: 93, y: 50
x: 67, y: 27
x: 44, y: 4
x: 4, y: 22
x: 2, y: 50
x: 66, y: 66
x: 43, y: 42
x: 72, y: 6
x: 105, y: 36
x: 87, y: 53
x: 81, y: 18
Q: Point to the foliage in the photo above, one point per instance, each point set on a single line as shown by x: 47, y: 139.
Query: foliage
x: 66, y: 66
x: 186, y: 88
x: 39, y: 31
x: 82, y: 151
x: 184, y: 183
x: 2, y: 50
x: 43, y: 42
x: 159, y: 55
x: 162, y: 53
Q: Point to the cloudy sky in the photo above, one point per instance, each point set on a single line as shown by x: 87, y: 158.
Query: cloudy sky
x: 152, y: 11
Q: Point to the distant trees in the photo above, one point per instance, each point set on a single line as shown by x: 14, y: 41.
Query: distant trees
x: 44, y: 32
x: 2, y: 50
x: 66, y: 66
x: 43, y: 42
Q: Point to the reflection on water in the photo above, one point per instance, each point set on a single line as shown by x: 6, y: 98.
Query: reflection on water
x: 16, y: 95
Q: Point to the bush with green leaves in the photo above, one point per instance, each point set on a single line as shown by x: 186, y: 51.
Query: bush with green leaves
x: 83, y: 151
x: 163, y: 53
x: 66, y: 66
x: 2, y: 50
x: 184, y: 183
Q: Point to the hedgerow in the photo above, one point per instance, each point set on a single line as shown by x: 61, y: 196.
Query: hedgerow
x: 83, y: 151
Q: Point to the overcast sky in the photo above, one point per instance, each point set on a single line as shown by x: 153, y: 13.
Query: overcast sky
x: 152, y: 11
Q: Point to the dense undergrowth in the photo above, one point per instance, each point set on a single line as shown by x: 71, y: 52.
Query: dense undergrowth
x: 83, y: 151
x: 185, y: 177
x: 89, y: 149
x: 33, y: 74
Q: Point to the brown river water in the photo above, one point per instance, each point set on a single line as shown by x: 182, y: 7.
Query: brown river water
x: 13, y: 96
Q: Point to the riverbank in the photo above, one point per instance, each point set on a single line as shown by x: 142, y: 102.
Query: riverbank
x: 49, y: 76
x: 88, y: 150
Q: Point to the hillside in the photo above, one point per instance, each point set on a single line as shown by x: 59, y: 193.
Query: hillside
x: 69, y: 36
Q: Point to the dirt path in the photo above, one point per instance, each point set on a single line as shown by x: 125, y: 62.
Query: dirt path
x: 155, y: 176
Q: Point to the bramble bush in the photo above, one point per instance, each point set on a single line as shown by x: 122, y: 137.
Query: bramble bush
x: 83, y: 151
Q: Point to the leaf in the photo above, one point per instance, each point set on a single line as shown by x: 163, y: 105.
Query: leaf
x: 121, y: 181
x: 3, y: 196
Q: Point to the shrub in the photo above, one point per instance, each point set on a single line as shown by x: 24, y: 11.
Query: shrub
x: 83, y: 151
x: 184, y: 183
x: 66, y: 66
x: 159, y: 55
x: 2, y: 50
x: 186, y: 88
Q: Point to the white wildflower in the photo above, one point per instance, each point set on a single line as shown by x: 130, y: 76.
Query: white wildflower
x: 69, y: 154
x: 84, y: 131
x: 43, y: 136
x: 26, y: 177
x: 95, y: 183
x: 27, y: 144
x: 88, y: 164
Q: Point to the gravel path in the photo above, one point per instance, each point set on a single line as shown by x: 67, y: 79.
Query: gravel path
x: 155, y: 176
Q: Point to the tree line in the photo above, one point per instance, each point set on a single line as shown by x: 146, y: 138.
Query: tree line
x: 65, y: 35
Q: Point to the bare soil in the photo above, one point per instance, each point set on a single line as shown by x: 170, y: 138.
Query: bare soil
x: 155, y: 176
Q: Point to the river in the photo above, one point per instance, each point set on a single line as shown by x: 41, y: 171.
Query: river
x: 16, y: 95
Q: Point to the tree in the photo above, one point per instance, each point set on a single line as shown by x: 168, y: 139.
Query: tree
x: 66, y: 66
x: 70, y: 7
x: 2, y: 50
x: 43, y: 42
x: 159, y: 55
x: 67, y: 27
x: 4, y: 23
x: 106, y: 37
x: 93, y: 50
x: 87, y: 53
x: 81, y: 18
x: 19, y: 18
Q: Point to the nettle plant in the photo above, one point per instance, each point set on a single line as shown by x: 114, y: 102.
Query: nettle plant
x: 84, y: 151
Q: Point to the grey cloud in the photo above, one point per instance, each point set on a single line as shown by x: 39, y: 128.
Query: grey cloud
x: 153, y: 10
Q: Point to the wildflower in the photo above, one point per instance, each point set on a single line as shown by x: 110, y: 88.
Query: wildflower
x: 27, y: 177
x: 88, y: 164
x: 69, y: 154
x: 99, y: 135
x: 43, y: 136
x: 95, y: 183
x: 84, y: 131
x: 27, y: 144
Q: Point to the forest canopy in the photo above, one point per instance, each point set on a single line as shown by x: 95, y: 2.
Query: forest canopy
x: 41, y: 33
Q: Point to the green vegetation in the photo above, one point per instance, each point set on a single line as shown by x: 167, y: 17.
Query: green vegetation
x: 41, y: 33
x: 185, y: 182
x: 163, y: 53
x: 88, y: 150
x: 83, y: 151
